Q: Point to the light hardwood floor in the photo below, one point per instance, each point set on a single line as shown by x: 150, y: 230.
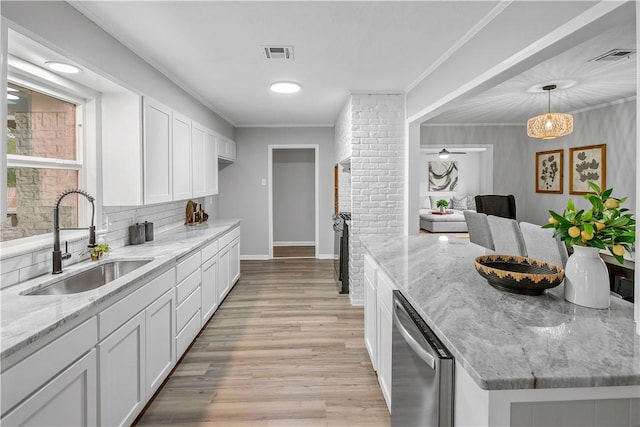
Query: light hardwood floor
x: 284, y: 349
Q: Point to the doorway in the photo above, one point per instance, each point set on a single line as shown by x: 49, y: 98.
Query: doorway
x: 293, y: 201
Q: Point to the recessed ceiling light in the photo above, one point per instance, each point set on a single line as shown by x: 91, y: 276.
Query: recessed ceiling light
x: 61, y: 67
x: 12, y: 97
x: 285, y: 87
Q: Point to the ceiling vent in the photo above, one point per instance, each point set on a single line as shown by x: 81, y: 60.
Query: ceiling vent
x: 278, y: 52
x: 614, y: 55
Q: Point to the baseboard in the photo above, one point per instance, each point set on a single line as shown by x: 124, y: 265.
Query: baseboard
x: 254, y: 257
x: 294, y: 243
x: 327, y: 256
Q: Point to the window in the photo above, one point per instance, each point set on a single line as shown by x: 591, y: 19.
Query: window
x: 42, y: 161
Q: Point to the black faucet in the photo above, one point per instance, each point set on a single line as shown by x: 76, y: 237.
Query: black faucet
x: 58, y: 256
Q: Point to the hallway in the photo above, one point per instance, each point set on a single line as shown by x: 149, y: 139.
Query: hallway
x: 284, y: 349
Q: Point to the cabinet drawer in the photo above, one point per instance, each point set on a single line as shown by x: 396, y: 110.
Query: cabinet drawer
x: 229, y: 237
x: 27, y: 376
x: 188, y: 333
x: 119, y: 313
x: 385, y: 290
x: 188, y: 285
x: 209, y: 251
x: 187, y: 266
x: 370, y: 268
x: 188, y: 308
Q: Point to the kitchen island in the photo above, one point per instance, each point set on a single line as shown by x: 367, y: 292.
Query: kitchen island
x: 516, y: 356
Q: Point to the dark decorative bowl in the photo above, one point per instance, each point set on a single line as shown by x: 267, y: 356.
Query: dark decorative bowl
x: 520, y: 275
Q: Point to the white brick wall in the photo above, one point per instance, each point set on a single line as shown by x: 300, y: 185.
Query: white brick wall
x: 377, y: 175
x: 37, y: 261
x: 342, y: 147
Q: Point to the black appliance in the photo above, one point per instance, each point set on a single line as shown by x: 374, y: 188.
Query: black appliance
x: 341, y: 222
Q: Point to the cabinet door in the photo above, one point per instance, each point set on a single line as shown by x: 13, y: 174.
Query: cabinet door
x: 385, y: 326
x: 370, y: 321
x: 157, y: 153
x: 231, y: 150
x: 234, y: 262
x: 209, y: 288
x: 181, y: 162
x: 160, y: 330
x: 224, y: 282
x: 122, y: 373
x: 198, y: 160
x: 69, y: 399
x: 222, y: 147
x: 211, y: 164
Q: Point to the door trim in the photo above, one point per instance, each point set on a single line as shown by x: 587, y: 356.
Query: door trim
x: 315, y: 148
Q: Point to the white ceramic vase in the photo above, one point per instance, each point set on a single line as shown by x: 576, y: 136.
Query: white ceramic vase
x: 586, y: 278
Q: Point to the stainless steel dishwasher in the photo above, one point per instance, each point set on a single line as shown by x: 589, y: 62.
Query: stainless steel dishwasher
x: 422, y: 377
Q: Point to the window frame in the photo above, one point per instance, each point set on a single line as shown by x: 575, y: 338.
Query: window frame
x: 25, y: 74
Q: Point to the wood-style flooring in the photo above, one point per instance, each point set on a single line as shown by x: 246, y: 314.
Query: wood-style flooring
x: 283, y: 350
x: 294, y: 251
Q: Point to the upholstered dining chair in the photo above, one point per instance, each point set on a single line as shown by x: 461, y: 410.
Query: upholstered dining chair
x: 497, y: 205
x: 478, y: 227
x: 542, y: 244
x: 506, y: 235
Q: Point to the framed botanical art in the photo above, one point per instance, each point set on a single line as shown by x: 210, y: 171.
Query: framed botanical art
x: 587, y: 164
x: 549, y: 171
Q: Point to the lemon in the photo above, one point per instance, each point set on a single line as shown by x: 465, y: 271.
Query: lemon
x: 574, y: 231
x: 552, y: 220
x: 586, y: 236
x: 600, y: 226
x: 618, y: 250
x: 611, y: 204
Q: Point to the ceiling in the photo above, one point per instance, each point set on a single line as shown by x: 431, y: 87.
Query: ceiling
x: 214, y: 49
x: 582, y: 84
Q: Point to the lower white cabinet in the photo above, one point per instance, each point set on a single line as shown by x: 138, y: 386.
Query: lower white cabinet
x: 370, y: 321
x: 50, y: 405
x: 160, y: 327
x: 384, y: 351
x: 210, y: 297
x: 234, y: 261
x: 224, y: 279
x: 122, y: 373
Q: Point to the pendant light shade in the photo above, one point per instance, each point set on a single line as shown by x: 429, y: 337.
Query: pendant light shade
x: 550, y: 125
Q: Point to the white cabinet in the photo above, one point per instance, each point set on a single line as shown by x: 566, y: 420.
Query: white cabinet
x: 370, y: 320
x: 157, y: 152
x: 122, y: 373
x: 210, y: 164
x: 198, y: 160
x: 226, y: 149
x: 69, y: 399
x: 160, y: 349
x: 234, y: 261
x: 384, y: 290
x: 224, y: 280
x: 181, y: 162
x: 209, y: 288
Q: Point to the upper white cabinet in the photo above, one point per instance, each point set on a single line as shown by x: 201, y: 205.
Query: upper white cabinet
x: 211, y: 164
x: 204, y: 161
x: 158, y: 153
x: 226, y: 149
x: 151, y: 154
x: 181, y: 168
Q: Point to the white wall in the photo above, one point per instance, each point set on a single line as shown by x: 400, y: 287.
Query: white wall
x: 468, y: 174
x: 613, y: 125
x: 294, y: 196
x: 514, y: 156
x: 243, y: 196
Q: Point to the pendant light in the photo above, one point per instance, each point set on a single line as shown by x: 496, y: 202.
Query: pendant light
x: 550, y: 125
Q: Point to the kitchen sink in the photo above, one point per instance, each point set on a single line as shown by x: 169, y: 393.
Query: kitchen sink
x: 90, y: 279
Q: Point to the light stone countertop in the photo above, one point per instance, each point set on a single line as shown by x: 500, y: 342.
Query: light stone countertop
x: 26, y: 318
x: 504, y: 340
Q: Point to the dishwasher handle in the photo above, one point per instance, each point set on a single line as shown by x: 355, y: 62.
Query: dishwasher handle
x: 411, y: 341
